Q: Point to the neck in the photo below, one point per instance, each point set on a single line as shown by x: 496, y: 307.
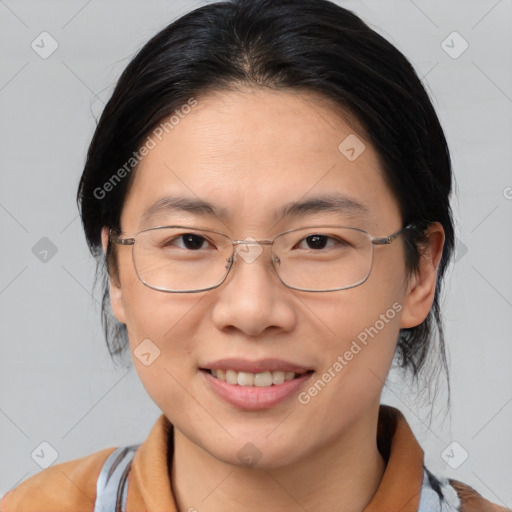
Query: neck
x: 343, y: 475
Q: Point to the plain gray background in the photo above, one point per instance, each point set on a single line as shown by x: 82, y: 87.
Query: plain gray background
x: 57, y: 383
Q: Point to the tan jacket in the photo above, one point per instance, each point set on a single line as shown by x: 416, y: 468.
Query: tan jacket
x: 71, y: 486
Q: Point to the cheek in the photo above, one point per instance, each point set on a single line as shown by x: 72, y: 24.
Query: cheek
x: 364, y: 330
x: 378, y: 306
x: 160, y: 331
x: 351, y: 314
x: 166, y: 319
x: 161, y: 338
x: 361, y: 327
x: 152, y: 314
x: 356, y: 357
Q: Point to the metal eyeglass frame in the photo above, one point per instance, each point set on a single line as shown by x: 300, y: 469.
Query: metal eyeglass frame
x: 374, y: 241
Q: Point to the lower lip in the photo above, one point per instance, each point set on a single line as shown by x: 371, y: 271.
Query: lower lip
x: 252, y: 397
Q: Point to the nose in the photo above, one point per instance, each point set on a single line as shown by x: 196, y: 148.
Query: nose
x: 253, y: 299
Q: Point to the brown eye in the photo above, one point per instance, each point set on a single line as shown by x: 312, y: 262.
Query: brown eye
x: 191, y: 241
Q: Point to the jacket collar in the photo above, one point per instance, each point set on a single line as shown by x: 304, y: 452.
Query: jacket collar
x: 149, y: 486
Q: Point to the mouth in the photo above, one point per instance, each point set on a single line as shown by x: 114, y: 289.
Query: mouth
x: 254, y: 384
x: 264, y: 379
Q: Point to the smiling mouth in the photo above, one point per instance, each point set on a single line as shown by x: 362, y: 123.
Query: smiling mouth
x: 262, y: 379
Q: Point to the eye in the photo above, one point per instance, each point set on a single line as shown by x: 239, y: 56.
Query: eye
x: 319, y: 241
x: 190, y: 241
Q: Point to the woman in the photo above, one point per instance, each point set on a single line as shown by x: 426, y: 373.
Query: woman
x: 268, y: 188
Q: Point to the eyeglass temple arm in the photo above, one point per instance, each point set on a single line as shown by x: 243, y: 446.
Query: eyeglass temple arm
x: 388, y: 239
x: 121, y: 241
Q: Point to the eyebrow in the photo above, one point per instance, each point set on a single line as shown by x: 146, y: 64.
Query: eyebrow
x: 337, y: 203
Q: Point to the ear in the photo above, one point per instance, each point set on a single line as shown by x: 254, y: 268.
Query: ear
x: 116, y: 293
x: 422, y: 285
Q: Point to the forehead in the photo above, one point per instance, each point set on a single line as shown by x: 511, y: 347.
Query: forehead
x: 252, y: 151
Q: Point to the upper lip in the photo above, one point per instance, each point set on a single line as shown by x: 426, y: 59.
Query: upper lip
x: 259, y: 366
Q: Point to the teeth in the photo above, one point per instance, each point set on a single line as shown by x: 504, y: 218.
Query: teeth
x: 231, y: 377
x: 278, y: 377
x: 261, y: 380
x: 245, y: 379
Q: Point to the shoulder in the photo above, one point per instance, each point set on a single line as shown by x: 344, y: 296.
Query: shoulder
x: 447, y: 495
x: 472, y: 501
x: 66, y: 486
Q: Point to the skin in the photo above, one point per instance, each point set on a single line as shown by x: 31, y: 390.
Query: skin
x: 251, y: 151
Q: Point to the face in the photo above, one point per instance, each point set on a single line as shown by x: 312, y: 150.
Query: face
x: 249, y: 154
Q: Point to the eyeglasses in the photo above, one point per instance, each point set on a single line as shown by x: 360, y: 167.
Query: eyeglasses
x: 182, y: 259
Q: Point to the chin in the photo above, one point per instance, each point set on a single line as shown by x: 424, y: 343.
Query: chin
x: 256, y: 454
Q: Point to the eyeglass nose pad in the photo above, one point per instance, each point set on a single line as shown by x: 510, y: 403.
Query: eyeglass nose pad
x: 231, y: 259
